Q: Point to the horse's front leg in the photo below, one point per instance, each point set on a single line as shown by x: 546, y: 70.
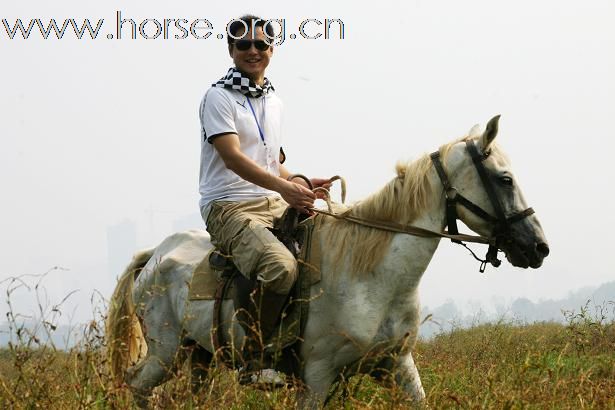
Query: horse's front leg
x: 407, y: 377
x: 318, y: 376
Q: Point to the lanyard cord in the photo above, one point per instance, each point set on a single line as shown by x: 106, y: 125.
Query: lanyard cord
x: 258, y: 125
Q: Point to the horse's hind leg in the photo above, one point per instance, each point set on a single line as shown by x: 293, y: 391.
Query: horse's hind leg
x: 200, y: 361
x: 163, y: 347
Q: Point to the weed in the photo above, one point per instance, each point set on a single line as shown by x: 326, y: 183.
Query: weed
x: 497, y: 365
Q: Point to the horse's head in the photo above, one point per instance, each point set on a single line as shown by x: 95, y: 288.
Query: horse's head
x: 481, y: 174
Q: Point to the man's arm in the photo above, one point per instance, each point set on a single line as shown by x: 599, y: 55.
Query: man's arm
x: 228, y: 148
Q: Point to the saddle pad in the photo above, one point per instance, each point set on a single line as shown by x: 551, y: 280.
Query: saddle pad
x: 205, y: 280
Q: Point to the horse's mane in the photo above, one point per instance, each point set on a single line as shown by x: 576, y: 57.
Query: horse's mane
x: 403, y: 200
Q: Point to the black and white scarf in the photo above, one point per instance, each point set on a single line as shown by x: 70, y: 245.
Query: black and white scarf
x: 236, y: 80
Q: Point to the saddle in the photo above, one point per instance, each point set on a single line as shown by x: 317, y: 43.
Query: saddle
x: 216, y: 278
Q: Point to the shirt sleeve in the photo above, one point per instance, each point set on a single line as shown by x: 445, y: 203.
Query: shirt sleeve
x: 216, y: 114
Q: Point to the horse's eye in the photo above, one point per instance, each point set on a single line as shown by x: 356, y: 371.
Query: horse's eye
x: 506, y: 181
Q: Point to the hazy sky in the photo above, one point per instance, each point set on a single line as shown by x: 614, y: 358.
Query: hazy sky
x: 94, y: 132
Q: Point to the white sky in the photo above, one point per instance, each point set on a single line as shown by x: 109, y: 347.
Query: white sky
x: 95, y: 132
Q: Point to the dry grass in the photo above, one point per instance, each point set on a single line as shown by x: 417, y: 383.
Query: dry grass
x: 501, y: 365
x: 544, y: 365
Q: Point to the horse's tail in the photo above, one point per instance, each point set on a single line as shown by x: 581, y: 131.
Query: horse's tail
x: 125, y: 340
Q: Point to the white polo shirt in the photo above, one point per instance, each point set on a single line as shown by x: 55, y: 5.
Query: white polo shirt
x: 224, y: 111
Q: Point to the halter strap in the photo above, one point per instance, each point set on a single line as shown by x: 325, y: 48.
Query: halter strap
x: 453, y: 197
x: 477, y: 158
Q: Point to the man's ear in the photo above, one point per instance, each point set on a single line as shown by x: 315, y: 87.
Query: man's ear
x: 230, y: 50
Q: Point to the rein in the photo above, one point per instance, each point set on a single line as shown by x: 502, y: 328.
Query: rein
x: 407, y: 229
x: 501, y: 232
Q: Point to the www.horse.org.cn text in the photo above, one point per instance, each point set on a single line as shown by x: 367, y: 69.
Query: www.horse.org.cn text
x: 126, y: 27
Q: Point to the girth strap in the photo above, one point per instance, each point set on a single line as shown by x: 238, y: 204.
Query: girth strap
x: 217, y: 334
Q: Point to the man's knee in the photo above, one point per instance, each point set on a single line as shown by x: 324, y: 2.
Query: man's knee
x: 277, y: 269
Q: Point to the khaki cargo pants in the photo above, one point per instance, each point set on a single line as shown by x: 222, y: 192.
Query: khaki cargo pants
x: 240, y: 229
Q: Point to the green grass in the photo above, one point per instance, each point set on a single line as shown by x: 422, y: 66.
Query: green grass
x: 532, y: 366
x: 501, y: 365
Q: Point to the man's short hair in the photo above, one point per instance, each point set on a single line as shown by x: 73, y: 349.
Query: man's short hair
x: 237, y: 27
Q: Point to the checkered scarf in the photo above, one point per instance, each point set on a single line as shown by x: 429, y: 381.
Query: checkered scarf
x: 235, y: 80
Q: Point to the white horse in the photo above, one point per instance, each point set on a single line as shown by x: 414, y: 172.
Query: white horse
x: 368, y: 298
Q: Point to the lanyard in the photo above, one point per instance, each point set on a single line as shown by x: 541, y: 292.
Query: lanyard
x: 260, y: 130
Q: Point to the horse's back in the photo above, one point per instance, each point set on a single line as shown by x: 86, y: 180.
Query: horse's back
x: 177, y: 254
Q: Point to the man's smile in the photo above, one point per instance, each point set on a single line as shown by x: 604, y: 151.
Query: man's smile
x: 252, y: 61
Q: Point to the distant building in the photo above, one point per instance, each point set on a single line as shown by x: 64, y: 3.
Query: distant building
x: 121, y: 245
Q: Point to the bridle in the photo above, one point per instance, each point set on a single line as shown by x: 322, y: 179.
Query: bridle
x: 501, y: 234
x: 502, y: 223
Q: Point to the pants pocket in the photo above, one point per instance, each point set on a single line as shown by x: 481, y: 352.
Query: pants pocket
x: 247, y: 249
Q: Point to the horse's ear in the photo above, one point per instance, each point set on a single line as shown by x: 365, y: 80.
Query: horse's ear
x: 489, y: 135
x: 400, y: 169
x: 475, y: 131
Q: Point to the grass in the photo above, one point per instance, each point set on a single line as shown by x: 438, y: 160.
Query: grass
x: 499, y: 365
x: 533, y: 366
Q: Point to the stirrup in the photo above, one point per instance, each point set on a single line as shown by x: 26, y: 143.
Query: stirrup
x: 262, y: 377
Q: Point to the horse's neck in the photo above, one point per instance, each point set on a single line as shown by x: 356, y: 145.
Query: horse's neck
x: 409, y: 256
x: 390, y: 293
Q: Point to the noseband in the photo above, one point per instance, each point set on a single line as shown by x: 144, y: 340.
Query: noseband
x: 502, y: 223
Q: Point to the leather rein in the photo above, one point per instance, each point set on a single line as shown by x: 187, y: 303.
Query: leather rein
x: 502, y: 223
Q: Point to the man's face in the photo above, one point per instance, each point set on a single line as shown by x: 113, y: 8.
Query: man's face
x: 252, y: 62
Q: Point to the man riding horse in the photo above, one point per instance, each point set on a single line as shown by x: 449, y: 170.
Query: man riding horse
x: 243, y: 184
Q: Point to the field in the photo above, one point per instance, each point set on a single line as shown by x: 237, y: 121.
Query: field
x: 498, y: 365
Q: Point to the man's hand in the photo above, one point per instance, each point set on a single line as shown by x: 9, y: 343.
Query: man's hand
x: 316, y: 183
x: 297, y: 196
x: 322, y: 183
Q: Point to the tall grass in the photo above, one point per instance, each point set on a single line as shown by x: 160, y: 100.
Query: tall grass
x: 496, y: 365
x: 540, y: 365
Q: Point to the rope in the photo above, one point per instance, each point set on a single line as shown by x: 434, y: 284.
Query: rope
x: 395, y: 227
x: 399, y: 228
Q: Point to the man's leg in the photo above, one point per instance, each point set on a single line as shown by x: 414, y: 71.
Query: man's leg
x: 240, y: 229
x: 260, y: 256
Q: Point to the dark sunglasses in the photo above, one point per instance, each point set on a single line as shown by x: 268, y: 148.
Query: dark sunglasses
x: 243, y: 45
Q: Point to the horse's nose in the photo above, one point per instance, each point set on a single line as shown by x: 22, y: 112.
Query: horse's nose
x: 542, y: 249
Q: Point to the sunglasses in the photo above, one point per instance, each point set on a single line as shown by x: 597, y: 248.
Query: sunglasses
x: 243, y: 45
